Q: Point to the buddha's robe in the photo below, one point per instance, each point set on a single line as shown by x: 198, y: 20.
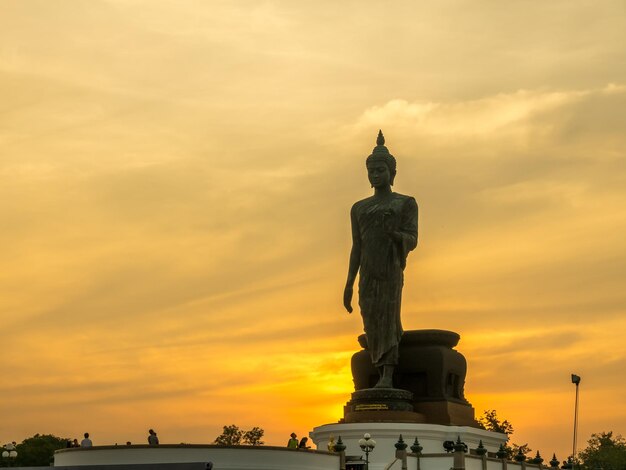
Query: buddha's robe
x: 381, y: 269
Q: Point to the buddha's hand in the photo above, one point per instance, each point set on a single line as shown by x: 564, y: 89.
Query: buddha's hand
x: 347, y: 298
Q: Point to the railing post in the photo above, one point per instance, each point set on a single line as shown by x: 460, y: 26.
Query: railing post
x: 521, y: 458
x: 481, y: 451
x: 459, y: 455
x: 501, y: 454
x: 416, y: 448
x: 340, y: 448
x: 401, y: 452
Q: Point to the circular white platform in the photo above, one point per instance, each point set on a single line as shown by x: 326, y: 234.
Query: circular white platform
x: 223, y: 457
x: 430, y: 436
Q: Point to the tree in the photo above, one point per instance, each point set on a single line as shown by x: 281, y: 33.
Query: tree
x: 38, y: 450
x: 604, y: 452
x: 489, y: 421
x: 233, y: 436
x: 516, y: 449
x: 253, y: 437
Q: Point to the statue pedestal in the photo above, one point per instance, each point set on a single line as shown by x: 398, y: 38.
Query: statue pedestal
x: 373, y: 405
x: 446, y: 412
x: 430, y: 369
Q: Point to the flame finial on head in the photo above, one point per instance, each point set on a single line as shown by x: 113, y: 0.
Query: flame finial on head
x: 380, y: 140
x: 380, y: 145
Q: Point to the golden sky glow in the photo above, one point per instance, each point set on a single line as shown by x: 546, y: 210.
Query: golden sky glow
x: 176, y: 179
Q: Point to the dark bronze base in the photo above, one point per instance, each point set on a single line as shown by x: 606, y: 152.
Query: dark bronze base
x: 381, y: 405
x: 447, y: 412
x: 429, y: 369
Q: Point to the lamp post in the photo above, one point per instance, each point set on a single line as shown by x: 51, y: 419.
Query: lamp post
x: 10, y: 453
x: 367, y: 445
x: 575, y: 381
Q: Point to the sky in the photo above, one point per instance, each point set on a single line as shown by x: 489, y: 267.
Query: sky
x: 176, y: 180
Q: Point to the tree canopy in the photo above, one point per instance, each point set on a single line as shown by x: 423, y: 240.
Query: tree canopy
x: 253, y: 437
x: 38, y: 450
x: 490, y: 421
x: 233, y: 436
x: 604, y: 451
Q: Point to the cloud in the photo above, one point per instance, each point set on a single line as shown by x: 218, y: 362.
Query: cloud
x: 501, y: 116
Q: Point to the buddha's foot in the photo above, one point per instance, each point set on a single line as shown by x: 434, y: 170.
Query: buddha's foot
x: 384, y: 383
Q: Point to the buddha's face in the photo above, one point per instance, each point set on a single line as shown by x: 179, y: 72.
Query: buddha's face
x: 378, y: 174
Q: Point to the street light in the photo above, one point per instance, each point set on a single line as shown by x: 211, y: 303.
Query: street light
x: 367, y: 445
x: 9, y: 453
x: 576, y: 381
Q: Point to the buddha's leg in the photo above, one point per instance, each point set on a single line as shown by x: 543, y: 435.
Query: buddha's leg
x: 386, y: 376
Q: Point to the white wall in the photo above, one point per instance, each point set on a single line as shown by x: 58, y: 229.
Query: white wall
x: 223, y: 458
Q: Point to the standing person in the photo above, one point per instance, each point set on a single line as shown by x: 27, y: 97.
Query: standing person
x: 86, y: 442
x: 331, y: 443
x: 153, y: 440
x: 293, y: 442
x: 384, y: 231
x: 303, y: 442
